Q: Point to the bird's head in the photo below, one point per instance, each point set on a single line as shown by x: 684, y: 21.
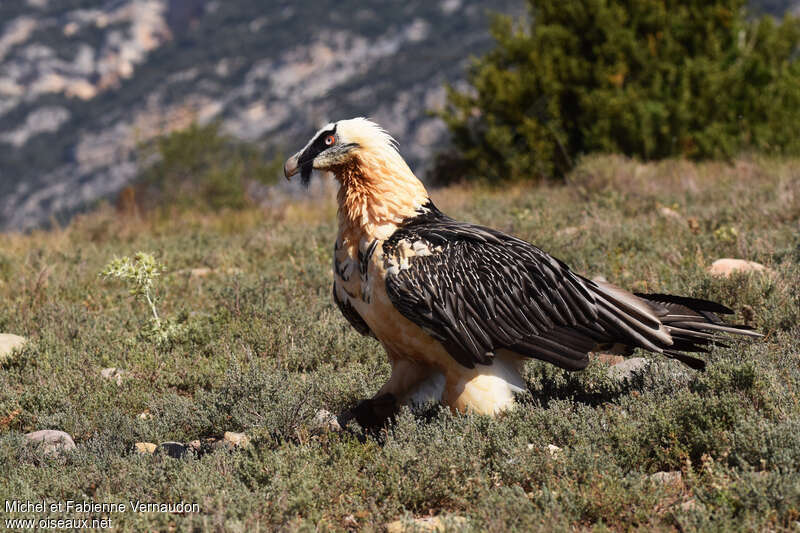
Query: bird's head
x: 339, y: 145
x: 378, y: 190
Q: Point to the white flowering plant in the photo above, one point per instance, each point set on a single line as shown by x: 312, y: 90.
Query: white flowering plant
x: 140, y: 274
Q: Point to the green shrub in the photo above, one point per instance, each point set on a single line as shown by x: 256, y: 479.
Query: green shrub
x: 200, y: 167
x: 650, y: 79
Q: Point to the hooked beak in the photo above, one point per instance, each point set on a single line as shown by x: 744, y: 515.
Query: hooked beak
x: 291, y: 167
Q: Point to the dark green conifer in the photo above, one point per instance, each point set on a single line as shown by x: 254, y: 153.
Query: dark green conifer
x: 647, y: 78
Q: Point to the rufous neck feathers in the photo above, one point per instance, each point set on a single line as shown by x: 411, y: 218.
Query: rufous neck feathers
x: 377, y: 192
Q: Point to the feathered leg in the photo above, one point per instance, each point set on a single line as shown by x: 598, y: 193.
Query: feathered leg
x: 410, y: 382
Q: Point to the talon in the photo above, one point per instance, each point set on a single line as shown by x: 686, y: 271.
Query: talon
x: 373, y: 413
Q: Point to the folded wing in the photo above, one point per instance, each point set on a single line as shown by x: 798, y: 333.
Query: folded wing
x: 478, y: 290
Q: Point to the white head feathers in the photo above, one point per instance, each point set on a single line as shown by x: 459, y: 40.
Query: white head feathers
x: 364, y: 132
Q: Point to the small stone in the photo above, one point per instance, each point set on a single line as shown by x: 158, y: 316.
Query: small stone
x: 427, y: 525
x: 199, y: 272
x: 8, y: 343
x: 667, y: 478
x: 239, y: 440
x: 726, y: 267
x: 553, y: 450
x: 145, y: 447
x: 113, y: 374
x: 54, y: 441
x: 145, y: 415
x: 666, y: 212
x: 203, y: 272
x: 627, y: 368
x: 173, y: 449
x: 349, y: 521
x: 324, y: 421
x: 569, y: 231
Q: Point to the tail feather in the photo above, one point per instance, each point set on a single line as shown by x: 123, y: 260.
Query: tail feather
x: 693, y: 304
x: 693, y: 324
x: 734, y: 329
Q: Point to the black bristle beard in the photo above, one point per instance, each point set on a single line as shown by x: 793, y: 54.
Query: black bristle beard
x: 305, y: 174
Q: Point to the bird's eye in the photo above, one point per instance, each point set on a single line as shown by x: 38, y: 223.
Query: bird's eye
x: 329, y: 140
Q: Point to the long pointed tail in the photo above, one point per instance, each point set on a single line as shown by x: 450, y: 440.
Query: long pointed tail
x: 693, y: 324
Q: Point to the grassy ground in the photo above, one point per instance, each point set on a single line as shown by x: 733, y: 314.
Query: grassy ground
x: 261, y: 348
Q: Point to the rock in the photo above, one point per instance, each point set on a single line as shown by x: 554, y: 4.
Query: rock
x: 666, y: 212
x: 324, y: 421
x: 9, y: 343
x: 173, y: 449
x: 627, y: 368
x: 427, y: 524
x: 145, y: 447
x: 552, y: 449
x: 238, y: 440
x: 569, y: 231
x: 608, y: 358
x: 726, y: 267
x: 54, y: 441
x: 145, y: 415
x: 113, y: 374
x: 202, y: 272
x: 199, y: 272
x: 666, y: 478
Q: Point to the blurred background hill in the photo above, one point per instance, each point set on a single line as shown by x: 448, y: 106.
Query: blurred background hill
x: 83, y: 83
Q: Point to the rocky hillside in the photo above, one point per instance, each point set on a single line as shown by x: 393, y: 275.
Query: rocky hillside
x: 82, y: 82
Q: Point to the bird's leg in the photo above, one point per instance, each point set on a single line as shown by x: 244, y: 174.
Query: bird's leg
x: 376, y: 411
x: 372, y: 413
x: 406, y: 375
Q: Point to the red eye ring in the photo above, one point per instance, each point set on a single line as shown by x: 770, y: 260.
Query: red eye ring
x: 329, y: 140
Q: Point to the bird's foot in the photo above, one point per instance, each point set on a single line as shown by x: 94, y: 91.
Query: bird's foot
x: 372, y: 414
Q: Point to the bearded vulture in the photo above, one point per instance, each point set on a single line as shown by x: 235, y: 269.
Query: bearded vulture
x: 459, y: 307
